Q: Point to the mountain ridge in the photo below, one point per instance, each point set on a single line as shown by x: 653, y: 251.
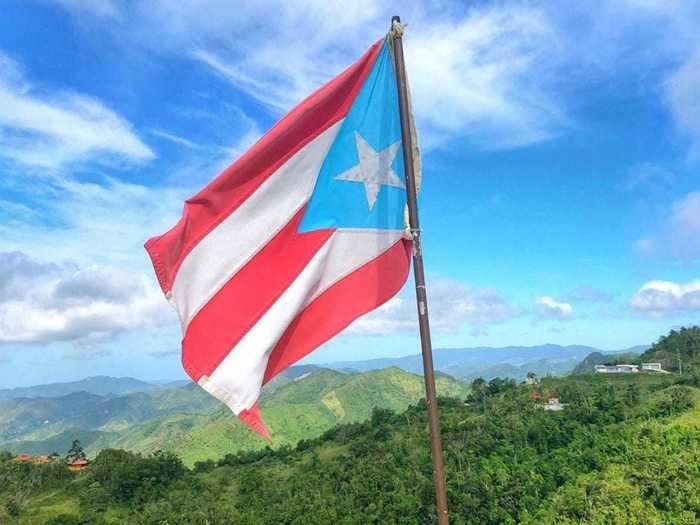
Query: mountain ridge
x: 99, y: 385
x: 186, y: 420
x: 488, y: 362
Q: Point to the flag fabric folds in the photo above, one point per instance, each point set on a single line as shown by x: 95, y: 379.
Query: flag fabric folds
x: 292, y: 242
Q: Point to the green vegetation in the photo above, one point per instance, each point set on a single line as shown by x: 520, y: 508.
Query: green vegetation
x: 679, y: 346
x: 622, y: 451
x: 194, y: 426
x: 625, y: 449
x: 587, y: 366
x: 76, y: 452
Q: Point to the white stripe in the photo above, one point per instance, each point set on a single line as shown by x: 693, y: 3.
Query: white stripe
x: 238, y: 379
x: 229, y: 246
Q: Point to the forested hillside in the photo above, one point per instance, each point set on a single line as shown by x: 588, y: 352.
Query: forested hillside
x: 190, y: 423
x: 678, y: 347
x: 623, y: 450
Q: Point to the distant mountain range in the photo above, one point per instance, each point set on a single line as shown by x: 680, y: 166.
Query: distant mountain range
x: 489, y: 362
x: 98, y: 385
x: 463, y: 363
x: 301, y: 403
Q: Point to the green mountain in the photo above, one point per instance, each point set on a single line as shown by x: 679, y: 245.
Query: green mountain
x: 587, y: 366
x: 681, y: 345
x: 187, y: 421
x: 36, y: 419
x: 58, y: 443
x: 621, y: 451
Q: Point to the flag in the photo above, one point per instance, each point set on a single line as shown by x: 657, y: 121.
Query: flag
x: 296, y: 239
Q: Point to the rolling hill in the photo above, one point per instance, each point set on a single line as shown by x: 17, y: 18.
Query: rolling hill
x: 187, y: 421
x: 608, y: 457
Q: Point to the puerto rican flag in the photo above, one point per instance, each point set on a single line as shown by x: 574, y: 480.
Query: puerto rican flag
x: 292, y: 242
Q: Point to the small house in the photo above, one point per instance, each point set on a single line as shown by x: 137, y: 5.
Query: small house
x: 28, y: 458
x: 553, y: 404
x: 78, y: 464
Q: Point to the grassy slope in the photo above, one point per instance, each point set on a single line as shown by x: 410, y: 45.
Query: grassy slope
x: 299, y: 409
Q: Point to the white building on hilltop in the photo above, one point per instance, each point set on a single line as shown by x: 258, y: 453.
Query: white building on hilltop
x: 653, y: 367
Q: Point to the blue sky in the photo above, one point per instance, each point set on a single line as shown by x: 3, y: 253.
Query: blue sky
x: 561, y: 153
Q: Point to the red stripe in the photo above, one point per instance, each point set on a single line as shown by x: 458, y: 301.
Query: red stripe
x: 239, y: 304
x: 224, y: 194
x: 365, y: 289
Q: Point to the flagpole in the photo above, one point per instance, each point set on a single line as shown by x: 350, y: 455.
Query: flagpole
x: 419, y: 275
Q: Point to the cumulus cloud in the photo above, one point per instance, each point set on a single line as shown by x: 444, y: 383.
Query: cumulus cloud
x: 550, y: 308
x: 679, y: 234
x: 48, y: 302
x: 451, y: 304
x: 49, y: 129
x: 658, y: 298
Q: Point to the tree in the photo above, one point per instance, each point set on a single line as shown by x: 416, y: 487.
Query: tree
x: 12, y: 507
x: 76, y: 452
x: 479, y: 387
x: 632, y: 394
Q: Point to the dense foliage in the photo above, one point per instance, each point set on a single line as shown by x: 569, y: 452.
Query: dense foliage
x: 679, y: 346
x: 624, y: 449
x: 616, y: 454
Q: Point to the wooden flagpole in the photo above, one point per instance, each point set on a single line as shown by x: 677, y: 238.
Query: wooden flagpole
x: 419, y: 274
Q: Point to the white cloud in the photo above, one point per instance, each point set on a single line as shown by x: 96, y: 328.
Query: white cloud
x: 90, y: 223
x: 663, y: 297
x: 499, y: 75
x: 471, y: 76
x: 176, y: 139
x: 551, y: 308
x: 50, y: 130
x: 52, y: 302
x: 475, y: 76
x: 682, y: 90
x: 482, y: 73
x: 679, y: 234
x: 451, y: 305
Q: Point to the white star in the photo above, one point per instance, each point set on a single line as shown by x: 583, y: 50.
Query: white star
x: 374, y: 169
